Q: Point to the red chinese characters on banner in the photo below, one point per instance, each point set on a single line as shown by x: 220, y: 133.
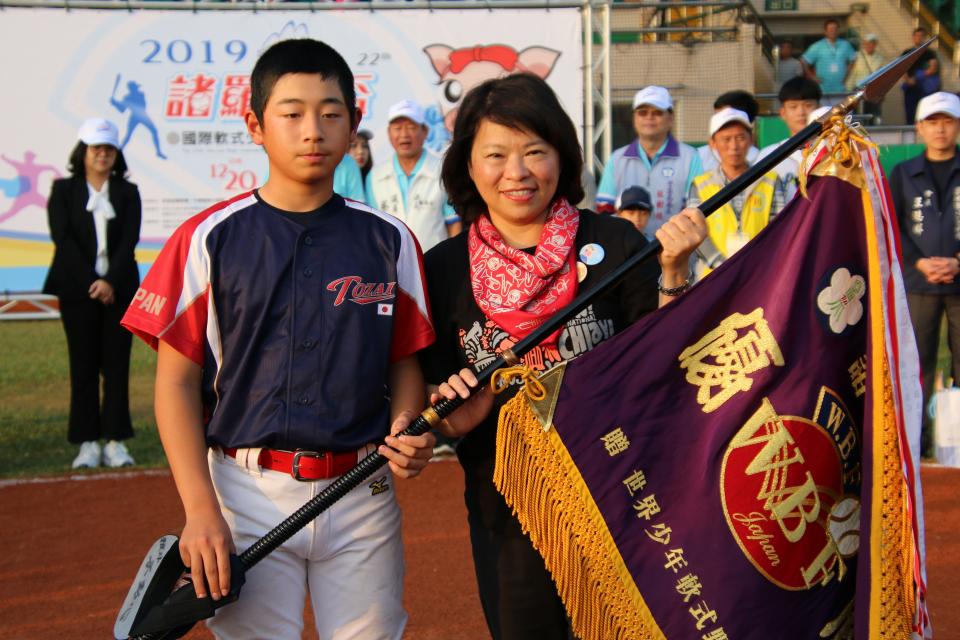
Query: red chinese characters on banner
x: 235, y: 99
x: 363, y: 84
x: 191, y: 97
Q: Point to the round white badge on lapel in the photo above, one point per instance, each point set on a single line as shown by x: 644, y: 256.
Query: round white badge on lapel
x: 591, y: 254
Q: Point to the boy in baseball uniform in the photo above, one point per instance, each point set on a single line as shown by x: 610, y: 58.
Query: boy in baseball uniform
x: 286, y: 321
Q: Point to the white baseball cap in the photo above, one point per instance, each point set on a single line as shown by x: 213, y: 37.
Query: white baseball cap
x: 725, y: 116
x: 99, y: 131
x: 406, y: 109
x: 871, y: 37
x: 654, y: 96
x: 939, y: 102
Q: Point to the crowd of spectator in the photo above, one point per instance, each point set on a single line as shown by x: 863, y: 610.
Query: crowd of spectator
x: 837, y: 67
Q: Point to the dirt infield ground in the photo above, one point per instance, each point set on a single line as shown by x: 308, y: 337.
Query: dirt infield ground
x: 74, y: 545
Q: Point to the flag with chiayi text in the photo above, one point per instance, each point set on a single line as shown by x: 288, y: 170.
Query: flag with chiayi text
x: 737, y: 465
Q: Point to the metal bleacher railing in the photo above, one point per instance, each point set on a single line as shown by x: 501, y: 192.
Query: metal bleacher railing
x: 947, y: 13
x: 691, y: 21
x: 941, y: 18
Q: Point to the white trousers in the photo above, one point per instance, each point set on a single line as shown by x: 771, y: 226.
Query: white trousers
x: 350, y: 559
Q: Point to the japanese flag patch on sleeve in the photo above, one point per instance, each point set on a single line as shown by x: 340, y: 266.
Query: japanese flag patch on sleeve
x: 384, y: 309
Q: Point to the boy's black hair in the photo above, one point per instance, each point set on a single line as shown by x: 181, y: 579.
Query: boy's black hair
x: 302, y: 55
x: 829, y: 21
x: 800, y: 88
x: 522, y: 101
x: 742, y: 100
x: 78, y: 169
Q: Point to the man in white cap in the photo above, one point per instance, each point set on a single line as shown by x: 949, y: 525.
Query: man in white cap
x: 738, y: 221
x: 736, y: 99
x: 868, y: 61
x: 926, y: 196
x: 408, y: 186
x: 656, y: 161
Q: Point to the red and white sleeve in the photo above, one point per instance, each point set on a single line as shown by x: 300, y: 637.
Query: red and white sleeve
x: 172, y: 302
x: 412, y: 325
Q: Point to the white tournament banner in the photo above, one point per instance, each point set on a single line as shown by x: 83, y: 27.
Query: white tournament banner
x: 177, y: 83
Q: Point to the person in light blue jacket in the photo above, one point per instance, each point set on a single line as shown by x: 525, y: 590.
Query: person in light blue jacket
x: 347, y: 180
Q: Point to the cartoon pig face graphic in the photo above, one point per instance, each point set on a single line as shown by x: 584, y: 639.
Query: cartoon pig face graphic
x: 460, y: 70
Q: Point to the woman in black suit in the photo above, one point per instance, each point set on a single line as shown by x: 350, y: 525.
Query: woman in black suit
x: 94, y: 220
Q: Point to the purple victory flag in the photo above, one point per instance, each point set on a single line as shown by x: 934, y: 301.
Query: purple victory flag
x: 712, y: 471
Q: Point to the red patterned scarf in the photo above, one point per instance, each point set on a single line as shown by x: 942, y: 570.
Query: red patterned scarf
x: 519, y: 291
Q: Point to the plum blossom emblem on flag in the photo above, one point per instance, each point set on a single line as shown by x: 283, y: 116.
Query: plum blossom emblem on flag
x: 841, y: 300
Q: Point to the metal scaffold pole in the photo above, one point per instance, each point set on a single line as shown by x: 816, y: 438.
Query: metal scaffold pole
x: 589, y: 156
x: 596, y: 84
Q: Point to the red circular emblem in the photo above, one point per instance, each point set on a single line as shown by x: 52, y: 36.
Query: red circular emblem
x: 780, y: 479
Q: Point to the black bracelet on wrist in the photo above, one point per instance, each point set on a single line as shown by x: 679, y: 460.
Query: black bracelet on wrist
x: 672, y: 292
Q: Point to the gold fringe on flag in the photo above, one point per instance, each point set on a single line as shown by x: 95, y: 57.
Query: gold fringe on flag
x: 539, y: 480
x: 892, y: 588
x: 893, y: 602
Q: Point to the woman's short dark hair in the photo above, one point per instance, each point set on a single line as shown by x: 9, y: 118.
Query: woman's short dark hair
x: 77, y: 168
x: 524, y: 102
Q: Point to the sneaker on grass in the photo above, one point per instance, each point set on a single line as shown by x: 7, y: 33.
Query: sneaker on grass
x: 89, y: 456
x: 115, y: 454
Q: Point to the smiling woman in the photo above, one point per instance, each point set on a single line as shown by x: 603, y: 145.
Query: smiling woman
x: 512, y: 170
x: 516, y: 175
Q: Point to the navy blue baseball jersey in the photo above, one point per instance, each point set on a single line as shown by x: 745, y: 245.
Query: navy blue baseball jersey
x: 294, y: 324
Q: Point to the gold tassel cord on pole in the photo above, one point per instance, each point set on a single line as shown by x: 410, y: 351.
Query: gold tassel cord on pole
x: 841, y: 137
x: 503, y: 378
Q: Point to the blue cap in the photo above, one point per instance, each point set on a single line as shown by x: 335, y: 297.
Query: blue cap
x: 635, y: 198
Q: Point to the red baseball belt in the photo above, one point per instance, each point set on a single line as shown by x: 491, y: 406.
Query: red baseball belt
x: 304, y: 465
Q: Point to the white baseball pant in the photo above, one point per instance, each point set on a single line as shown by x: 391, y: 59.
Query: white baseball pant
x: 349, y: 559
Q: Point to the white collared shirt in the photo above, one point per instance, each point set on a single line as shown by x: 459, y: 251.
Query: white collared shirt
x: 99, y: 205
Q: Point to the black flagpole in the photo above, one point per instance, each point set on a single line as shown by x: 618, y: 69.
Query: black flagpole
x: 872, y: 89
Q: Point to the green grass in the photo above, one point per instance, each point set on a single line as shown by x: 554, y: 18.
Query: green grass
x: 35, y: 401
